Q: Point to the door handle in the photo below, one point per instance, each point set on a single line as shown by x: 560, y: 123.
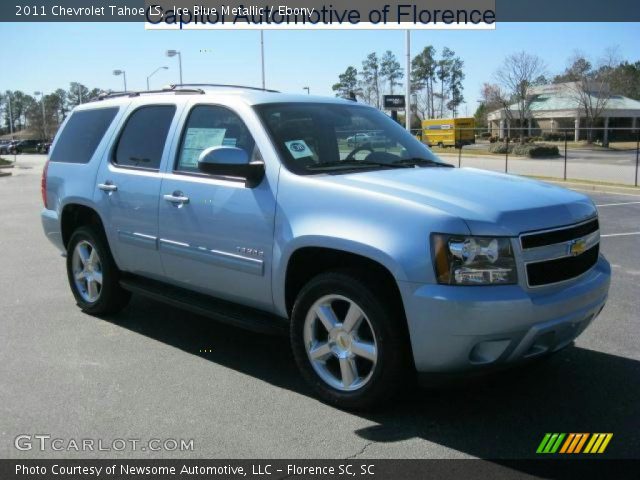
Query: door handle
x: 177, y: 198
x: 107, y: 186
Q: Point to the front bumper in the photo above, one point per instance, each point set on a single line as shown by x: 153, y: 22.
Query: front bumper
x: 457, y: 328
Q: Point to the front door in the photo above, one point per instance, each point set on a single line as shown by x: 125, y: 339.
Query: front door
x: 216, y: 235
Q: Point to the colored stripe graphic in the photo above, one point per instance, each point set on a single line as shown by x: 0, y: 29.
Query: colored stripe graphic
x: 550, y: 443
x: 574, y: 443
x: 598, y: 442
x: 543, y: 443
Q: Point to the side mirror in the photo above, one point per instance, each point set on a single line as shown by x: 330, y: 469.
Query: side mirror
x: 231, y: 162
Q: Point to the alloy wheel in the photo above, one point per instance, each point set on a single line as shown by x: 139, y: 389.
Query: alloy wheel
x: 340, y: 343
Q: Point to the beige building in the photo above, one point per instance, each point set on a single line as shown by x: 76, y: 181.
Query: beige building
x: 554, y: 108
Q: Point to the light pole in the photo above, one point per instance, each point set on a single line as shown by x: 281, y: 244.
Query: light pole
x: 307, y: 89
x: 44, y: 118
x: 173, y: 53
x: 262, y: 56
x: 153, y: 73
x: 407, y: 85
x: 124, y: 77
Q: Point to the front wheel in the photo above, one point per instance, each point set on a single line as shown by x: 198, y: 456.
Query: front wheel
x: 348, y: 341
x: 93, y: 275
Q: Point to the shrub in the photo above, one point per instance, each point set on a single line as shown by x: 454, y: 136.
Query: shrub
x: 535, y: 150
x: 485, y: 135
x: 500, y: 148
x: 493, y: 139
x: 531, y: 150
x: 553, y: 136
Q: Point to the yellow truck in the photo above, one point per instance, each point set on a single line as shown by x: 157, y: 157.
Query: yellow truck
x: 448, y: 132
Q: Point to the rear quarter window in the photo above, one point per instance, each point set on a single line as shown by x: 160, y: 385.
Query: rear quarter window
x: 143, y: 138
x: 82, y: 134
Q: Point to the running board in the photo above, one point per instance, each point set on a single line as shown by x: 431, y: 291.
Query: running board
x: 207, y: 306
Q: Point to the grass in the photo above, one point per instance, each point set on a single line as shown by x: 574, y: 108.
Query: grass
x: 586, y: 182
x: 4, y: 161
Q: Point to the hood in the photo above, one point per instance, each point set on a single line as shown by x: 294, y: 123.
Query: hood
x: 490, y: 203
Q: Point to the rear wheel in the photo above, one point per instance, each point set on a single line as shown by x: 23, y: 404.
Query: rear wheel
x: 348, y: 341
x: 93, y: 275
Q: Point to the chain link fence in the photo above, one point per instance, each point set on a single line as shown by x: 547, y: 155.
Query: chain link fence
x: 612, y: 156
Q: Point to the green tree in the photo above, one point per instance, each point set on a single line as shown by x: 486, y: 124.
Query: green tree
x: 370, y: 80
x: 423, y: 73
x: 390, y: 70
x: 347, y: 83
x: 76, y: 95
x: 443, y: 72
x: 456, y: 76
x: 625, y: 80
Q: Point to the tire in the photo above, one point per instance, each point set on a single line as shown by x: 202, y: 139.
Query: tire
x: 380, y: 372
x: 89, y: 258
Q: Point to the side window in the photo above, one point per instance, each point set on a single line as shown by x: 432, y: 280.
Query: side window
x: 211, y: 126
x: 82, y: 134
x: 142, y: 140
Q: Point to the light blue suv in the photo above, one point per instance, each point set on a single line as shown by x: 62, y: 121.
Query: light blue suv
x: 254, y: 208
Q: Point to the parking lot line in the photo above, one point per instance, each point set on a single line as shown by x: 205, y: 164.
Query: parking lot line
x: 616, y: 204
x: 620, y: 234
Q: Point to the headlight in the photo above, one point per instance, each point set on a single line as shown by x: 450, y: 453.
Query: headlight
x: 462, y: 260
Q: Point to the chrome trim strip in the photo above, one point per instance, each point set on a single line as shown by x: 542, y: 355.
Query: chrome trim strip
x: 558, y: 250
x: 219, y: 258
x: 138, y: 239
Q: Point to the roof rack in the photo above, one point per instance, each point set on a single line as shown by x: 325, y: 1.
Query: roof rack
x: 171, y: 89
x: 177, y: 88
x: 180, y: 85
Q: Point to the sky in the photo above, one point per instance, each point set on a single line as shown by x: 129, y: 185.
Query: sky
x: 51, y: 55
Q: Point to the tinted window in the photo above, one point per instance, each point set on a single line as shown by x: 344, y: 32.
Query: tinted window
x: 321, y: 137
x: 82, y: 134
x: 142, y: 140
x: 211, y: 126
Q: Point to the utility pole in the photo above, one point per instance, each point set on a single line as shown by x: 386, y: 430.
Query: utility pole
x: 10, y: 116
x: 407, y: 82
x: 44, y: 117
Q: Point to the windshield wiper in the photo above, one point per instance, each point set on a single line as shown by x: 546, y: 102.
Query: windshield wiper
x: 421, y: 161
x: 357, y: 163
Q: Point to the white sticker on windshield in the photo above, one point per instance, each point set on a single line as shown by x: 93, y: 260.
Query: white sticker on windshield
x: 298, y: 149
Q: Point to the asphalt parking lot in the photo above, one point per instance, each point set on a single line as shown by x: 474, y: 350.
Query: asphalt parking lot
x: 144, y: 373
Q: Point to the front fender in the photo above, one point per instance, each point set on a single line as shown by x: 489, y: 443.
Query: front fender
x: 283, y: 255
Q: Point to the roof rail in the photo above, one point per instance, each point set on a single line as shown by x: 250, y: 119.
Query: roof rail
x: 180, y: 85
x: 109, y: 94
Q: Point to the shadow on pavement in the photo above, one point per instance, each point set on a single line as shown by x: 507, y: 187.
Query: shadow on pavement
x: 502, y: 416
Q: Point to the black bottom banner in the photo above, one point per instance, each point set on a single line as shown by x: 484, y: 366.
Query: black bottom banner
x: 313, y: 469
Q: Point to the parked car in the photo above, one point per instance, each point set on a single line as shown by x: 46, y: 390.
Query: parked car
x: 368, y: 139
x: 21, y: 146
x: 43, y: 147
x: 7, y: 147
x: 240, y: 205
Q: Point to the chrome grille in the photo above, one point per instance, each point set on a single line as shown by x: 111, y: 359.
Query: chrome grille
x: 560, y: 254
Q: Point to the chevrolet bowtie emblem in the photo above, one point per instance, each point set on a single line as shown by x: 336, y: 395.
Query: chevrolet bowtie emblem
x: 577, y: 247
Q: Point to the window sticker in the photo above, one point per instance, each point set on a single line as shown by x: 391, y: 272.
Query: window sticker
x: 198, y: 139
x: 229, y: 142
x: 298, y: 149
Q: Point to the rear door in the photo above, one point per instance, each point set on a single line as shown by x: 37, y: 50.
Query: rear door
x: 216, y: 234
x: 128, y: 187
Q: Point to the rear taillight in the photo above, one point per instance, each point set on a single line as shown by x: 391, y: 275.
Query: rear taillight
x: 43, y: 183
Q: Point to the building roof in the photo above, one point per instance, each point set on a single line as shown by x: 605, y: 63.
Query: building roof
x: 557, y: 100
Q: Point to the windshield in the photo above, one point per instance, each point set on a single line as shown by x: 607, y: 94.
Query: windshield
x: 323, y: 137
